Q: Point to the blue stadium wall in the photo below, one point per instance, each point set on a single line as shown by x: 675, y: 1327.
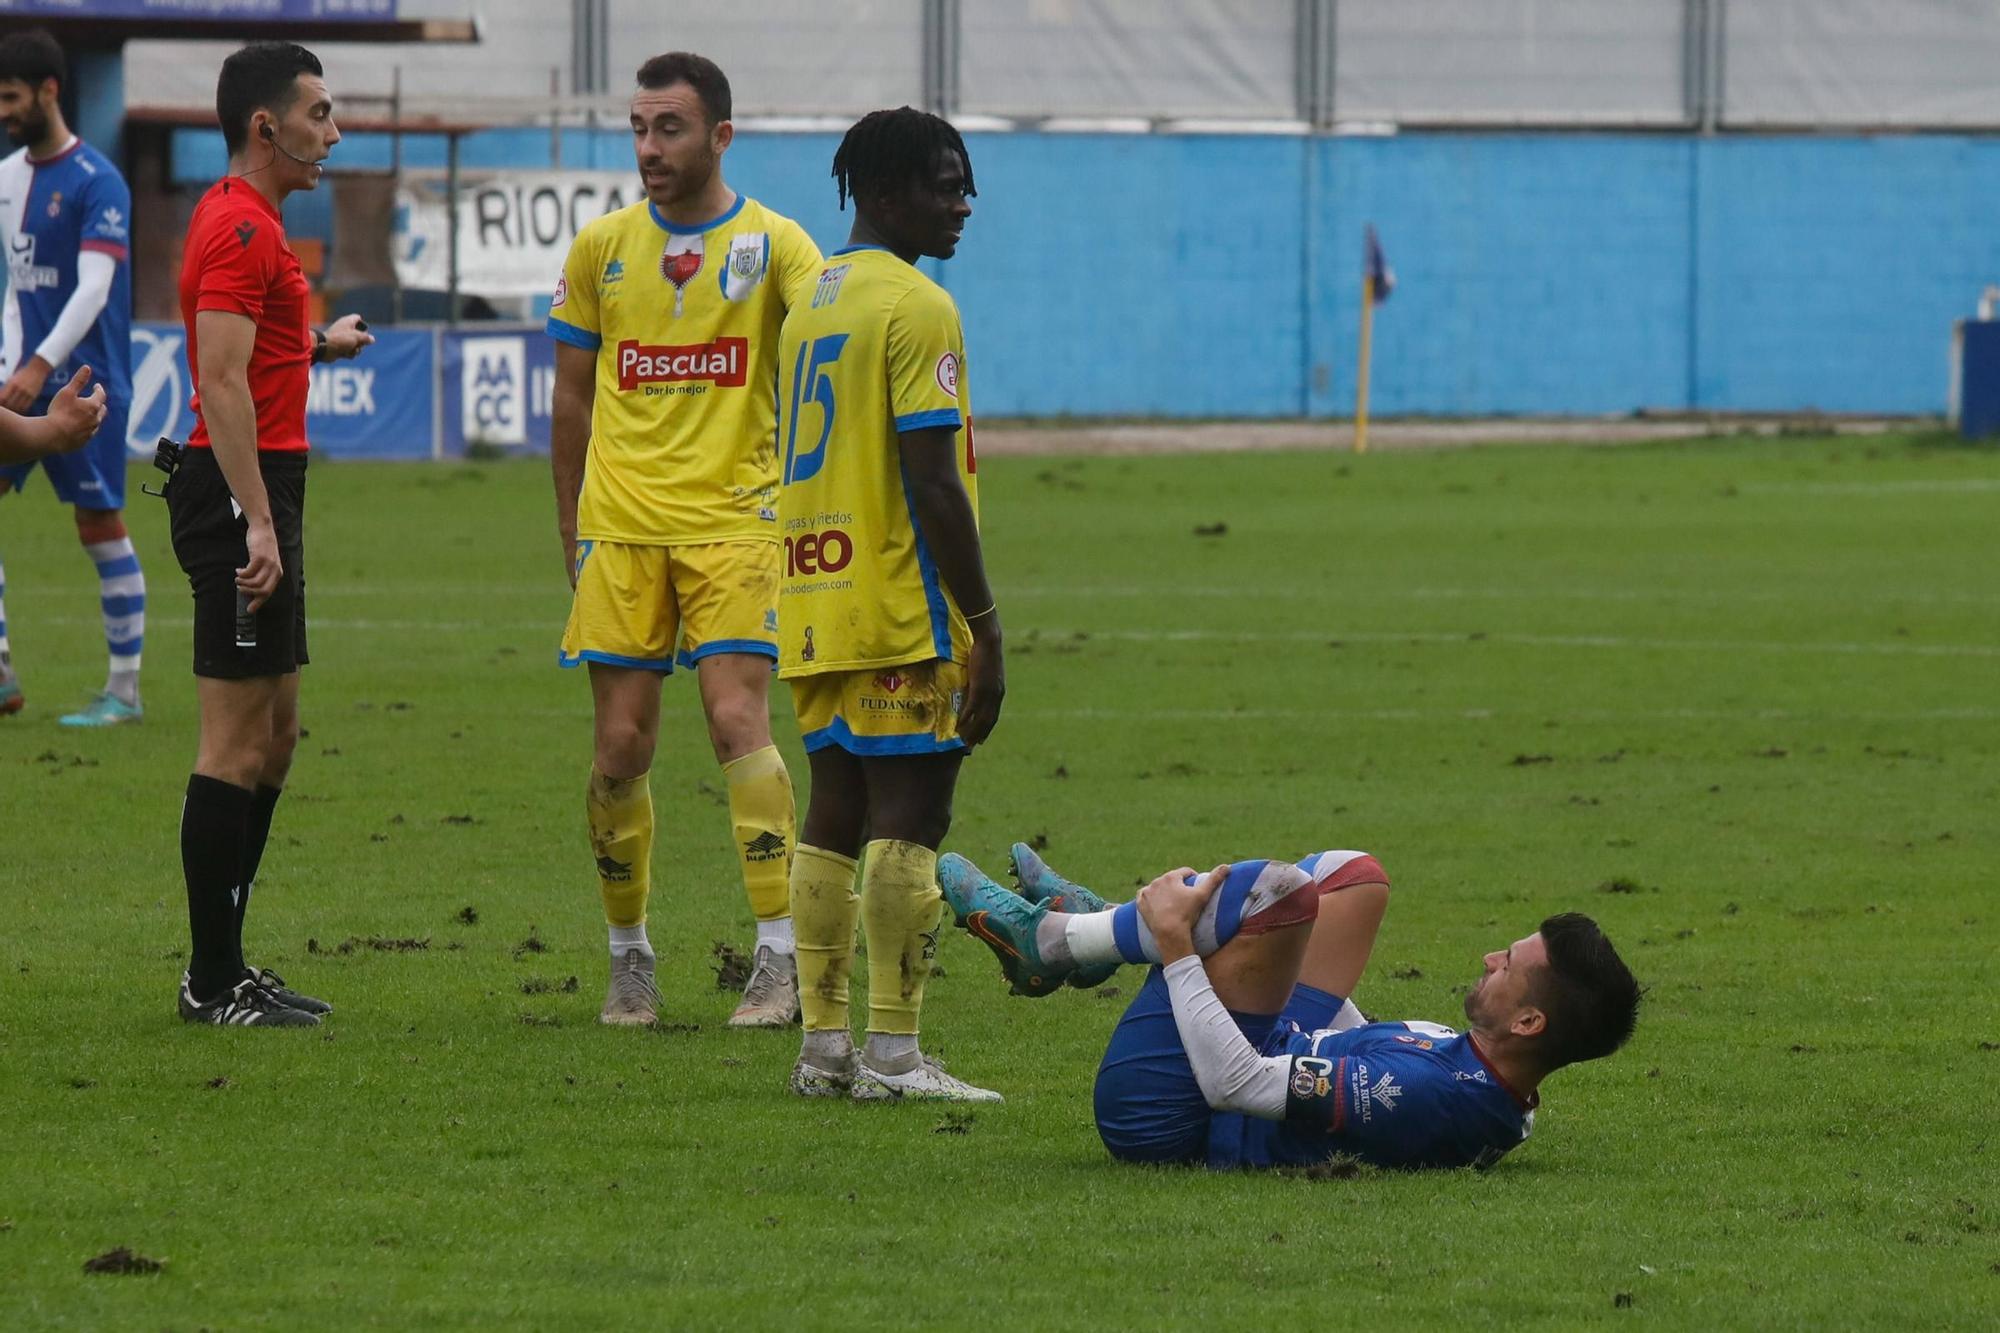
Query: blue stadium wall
x: 1218, y: 275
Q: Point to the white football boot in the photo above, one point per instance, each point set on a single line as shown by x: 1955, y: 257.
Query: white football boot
x: 925, y: 1081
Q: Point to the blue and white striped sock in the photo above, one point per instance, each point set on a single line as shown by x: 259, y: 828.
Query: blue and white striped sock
x: 122, y: 595
x: 6, y: 654
x: 1121, y: 934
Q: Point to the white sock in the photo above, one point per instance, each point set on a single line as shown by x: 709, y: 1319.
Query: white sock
x: 891, y: 1052
x: 828, y: 1046
x: 624, y: 938
x: 6, y: 657
x: 777, y: 936
x: 1347, y: 1017
x: 1092, y: 939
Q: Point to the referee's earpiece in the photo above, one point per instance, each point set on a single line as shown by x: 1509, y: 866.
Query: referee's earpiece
x: 271, y: 138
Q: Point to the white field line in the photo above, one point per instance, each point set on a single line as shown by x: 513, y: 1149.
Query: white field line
x: 1425, y: 715
x: 1614, y: 641
x: 1049, y: 637
x: 1165, y: 592
x: 1938, y: 486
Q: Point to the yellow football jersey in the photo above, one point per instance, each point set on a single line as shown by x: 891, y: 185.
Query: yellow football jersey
x: 876, y: 350
x: 684, y: 321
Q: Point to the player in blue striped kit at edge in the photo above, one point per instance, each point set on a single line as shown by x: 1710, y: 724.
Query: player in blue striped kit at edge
x: 65, y: 221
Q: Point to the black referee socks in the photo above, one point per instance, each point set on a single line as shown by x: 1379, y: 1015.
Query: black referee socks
x: 214, y: 822
x: 257, y: 832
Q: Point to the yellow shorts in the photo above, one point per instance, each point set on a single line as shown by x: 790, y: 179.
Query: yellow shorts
x: 886, y: 710
x: 657, y: 607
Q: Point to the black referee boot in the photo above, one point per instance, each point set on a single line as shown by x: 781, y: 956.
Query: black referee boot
x: 275, y: 984
x: 246, y: 1004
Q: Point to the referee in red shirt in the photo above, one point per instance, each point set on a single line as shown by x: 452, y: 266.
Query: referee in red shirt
x: 237, y: 505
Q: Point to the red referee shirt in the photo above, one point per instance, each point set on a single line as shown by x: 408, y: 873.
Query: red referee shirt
x: 236, y: 260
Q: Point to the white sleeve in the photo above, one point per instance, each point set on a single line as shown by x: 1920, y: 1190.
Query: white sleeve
x: 10, y: 331
x: 94, y: 272
x: 1233, y: 1077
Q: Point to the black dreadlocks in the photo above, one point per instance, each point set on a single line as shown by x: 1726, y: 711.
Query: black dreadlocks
x: 887, y: 150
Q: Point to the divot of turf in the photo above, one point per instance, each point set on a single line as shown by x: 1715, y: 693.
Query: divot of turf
x: 732, y: 969
x: 122, y: 1260
x: 379, y: 943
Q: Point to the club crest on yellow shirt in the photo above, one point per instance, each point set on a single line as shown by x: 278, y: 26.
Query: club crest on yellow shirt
x: 679, y: 263
x: 749, y: 256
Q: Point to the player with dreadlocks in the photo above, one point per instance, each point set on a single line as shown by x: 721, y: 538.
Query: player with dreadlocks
x: 888, y: 631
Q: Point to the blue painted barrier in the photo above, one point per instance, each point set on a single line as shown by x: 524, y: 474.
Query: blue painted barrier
x: 379, y: 405
x: 1219, y: 275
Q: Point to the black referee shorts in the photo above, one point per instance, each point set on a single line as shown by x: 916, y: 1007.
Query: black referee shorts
x: 209, y: 542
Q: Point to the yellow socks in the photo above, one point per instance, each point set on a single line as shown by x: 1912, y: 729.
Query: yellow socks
x: 621, y: 838
x: 760, y: 812
x: 824, y: 907
x: 900, y: 908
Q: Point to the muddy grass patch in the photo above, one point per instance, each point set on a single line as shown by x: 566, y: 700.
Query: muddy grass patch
x: 123, y: 1261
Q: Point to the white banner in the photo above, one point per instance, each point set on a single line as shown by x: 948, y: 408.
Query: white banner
x: 514, y: 227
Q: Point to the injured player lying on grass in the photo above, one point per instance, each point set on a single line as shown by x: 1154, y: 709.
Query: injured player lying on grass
x: 1242, y: 1048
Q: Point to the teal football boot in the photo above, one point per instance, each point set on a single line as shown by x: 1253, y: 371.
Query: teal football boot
x: 104, y: 710
x: 1043, y: 886
x: 1005, y: 922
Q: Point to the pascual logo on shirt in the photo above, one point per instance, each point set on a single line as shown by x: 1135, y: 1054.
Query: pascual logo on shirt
x: 726, y: 361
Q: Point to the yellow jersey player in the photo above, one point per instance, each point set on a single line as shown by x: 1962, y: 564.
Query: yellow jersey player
x: 666, y: 476
x: 888, y: 632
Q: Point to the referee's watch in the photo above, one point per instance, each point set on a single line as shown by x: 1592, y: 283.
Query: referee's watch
x: 319, y: 346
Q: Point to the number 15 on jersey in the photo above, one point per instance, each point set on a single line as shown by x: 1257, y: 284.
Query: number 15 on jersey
x: 812, y: 382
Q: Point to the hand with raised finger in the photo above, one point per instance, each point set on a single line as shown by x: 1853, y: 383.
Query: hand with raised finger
x: 75, y: 414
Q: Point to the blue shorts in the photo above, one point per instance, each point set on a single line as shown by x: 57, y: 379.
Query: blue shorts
x: 1149, y: 1106
x: 92, y: 477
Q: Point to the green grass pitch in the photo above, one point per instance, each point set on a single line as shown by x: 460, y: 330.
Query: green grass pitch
x: 1735, y: 698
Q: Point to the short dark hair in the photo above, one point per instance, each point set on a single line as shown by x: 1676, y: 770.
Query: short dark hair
x: 260, y: 77
x: 700, y: 73
x: 888, y: 150
x: 32, y: 56
x: 1585, y: 991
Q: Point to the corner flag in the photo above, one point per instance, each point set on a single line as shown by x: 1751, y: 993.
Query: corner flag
x: 1377, y: 281
x: 1381, y: 278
